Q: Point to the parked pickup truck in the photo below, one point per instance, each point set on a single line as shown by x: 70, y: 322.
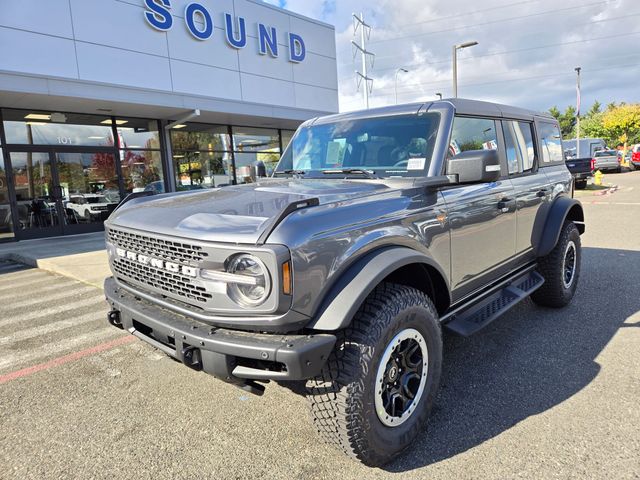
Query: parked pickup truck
x: 378, y: 229
x: 581, y: 169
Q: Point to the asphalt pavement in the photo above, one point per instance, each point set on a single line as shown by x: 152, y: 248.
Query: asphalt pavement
x: 540, y: 393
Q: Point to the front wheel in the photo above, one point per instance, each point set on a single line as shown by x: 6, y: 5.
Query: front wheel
x: 375, y: 393
x: 560, y: 269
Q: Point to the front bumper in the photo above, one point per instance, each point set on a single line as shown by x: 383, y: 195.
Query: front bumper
x: 230, y: 355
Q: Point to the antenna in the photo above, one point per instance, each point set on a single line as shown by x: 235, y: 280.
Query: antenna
x: 366, y: 56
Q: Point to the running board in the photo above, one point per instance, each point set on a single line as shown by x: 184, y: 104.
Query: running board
x: 478, y: 315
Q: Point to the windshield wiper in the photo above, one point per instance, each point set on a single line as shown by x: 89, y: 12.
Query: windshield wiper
x: 347, y: 171
x: 290, y: 172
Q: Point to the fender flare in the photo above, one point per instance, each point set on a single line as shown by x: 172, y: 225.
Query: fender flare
x: 559, y: 210
x: 349, y: 292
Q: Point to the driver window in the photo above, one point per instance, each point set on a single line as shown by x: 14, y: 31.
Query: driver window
x: 472, y: 134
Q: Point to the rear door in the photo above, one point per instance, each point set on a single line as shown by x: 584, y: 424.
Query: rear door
x: 531, y: 188
x: 482, y: 216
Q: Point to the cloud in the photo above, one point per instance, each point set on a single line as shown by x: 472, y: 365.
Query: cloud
x: 526, y: 54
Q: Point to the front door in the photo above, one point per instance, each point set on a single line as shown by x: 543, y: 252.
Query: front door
x: 482, y: 216
x: 62, y: 192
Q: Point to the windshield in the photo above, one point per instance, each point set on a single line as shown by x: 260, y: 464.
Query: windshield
x: 386, y: 146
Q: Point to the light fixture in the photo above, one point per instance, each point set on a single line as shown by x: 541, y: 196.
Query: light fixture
x: 37, y: 123
x: 96, y: 137
x: 180, y: 125
x: 38, y: 116
x: 134, y: 146
x: 178, y: 156
x: 118, y: 121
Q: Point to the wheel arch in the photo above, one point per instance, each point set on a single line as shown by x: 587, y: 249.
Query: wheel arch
x: 400, y: 265
x: 562, y: 209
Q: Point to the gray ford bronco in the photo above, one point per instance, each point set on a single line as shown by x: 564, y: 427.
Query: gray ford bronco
x: 377, y: 230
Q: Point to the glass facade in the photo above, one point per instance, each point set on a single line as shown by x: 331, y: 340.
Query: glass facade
x: 66, y: 172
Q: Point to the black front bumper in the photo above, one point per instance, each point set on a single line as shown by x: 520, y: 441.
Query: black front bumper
x: 231, y: 355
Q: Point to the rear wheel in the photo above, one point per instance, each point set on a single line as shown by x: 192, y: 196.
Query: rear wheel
x: 560, y: 269
x: 375, y: 392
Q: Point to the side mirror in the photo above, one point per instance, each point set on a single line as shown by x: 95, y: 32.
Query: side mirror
x: 475, y: 166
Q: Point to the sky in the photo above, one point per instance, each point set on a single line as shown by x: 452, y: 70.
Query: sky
x: 526, y: 54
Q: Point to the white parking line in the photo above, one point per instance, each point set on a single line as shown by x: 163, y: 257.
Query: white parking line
x: 72, y: 292
x: 53, y: 284
x: 14, y: 359
x: 21, y: 335
x: 58, y: 311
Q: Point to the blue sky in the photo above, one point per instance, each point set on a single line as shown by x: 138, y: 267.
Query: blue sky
x: 526, y: 54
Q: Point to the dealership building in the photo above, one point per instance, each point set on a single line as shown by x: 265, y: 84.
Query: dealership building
x: 102, y: 98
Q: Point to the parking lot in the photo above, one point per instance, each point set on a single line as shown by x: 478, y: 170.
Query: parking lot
x: 539, y: 394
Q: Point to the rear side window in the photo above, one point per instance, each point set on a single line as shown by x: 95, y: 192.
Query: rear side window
x: 472, y: 134
x: 551, y: 143
x: 519, y: 146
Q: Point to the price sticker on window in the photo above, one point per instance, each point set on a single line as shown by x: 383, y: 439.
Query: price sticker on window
x: 416, y: 163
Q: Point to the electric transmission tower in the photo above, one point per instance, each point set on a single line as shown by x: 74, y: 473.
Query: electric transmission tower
x: 366, y: 56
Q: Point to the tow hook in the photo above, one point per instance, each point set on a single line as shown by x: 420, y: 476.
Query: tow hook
x: 114, y: 319
x: 192, y: 358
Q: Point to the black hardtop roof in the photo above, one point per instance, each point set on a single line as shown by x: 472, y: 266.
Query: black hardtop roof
x: 463, y: 106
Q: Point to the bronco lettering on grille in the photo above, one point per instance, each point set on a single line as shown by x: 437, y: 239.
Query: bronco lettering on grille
x: 156, y: 263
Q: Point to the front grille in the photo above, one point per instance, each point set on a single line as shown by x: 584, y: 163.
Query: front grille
x: 174, y: 284
x: 175, y: 251
x: 168, y: 282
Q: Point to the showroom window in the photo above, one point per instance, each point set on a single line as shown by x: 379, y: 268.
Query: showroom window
x: 201, y: 156
x: 31, y: 127
x: 256, y: 152
x: 140, y: 157
x: 6, y: 222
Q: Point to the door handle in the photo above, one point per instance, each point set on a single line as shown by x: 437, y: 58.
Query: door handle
x: 542, y: 192
x: 505, y: 204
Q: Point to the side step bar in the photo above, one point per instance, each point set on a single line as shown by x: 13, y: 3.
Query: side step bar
x: 478, y: 315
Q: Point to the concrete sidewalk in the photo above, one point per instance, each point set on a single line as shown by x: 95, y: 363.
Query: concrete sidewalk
x: 81, y: 257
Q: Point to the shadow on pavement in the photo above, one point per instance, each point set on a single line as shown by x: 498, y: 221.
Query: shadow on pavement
x: 528, y: 361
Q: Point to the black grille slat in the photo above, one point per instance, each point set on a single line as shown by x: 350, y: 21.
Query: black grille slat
x: 174, y: 251
x: 168, y: 250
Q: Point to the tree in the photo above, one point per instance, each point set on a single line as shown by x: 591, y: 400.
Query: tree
x: 594, y: 110
x: 566, y: 119
x: 622, y: 123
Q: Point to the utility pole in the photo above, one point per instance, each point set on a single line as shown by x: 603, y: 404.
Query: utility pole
x: 365, y: 34
x: 577, y: 69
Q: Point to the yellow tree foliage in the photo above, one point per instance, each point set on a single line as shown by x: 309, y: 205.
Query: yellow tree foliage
x: 623, y: 123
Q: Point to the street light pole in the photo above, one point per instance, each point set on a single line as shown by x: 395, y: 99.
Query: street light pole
x: 401, y: 69
x: 454, y: 51
x: 439, y: 95
x: 577, y: 69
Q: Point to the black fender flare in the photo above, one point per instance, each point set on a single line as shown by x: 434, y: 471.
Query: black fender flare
x: 557, y: 213
x: 358, y: 281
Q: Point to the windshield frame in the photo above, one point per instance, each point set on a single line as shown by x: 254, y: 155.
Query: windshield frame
x: 433, y: 132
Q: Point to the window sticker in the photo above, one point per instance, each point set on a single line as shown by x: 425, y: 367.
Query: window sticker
x: 416, y: 163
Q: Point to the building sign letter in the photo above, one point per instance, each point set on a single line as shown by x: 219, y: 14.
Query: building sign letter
x: 190, y: 17
x: 268, y: 38
x: 239, y: 40
x: 159, y: 17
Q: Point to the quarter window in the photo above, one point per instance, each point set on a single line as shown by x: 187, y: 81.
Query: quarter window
x: 472, y: 134
x: 551, y: 143
x: 519, y: 146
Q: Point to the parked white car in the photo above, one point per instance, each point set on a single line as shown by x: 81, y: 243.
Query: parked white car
x: 90, y: 206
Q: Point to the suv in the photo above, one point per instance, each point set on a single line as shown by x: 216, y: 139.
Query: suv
x: 378, y: 230
x: 634, y: 160
x: 90, y: 206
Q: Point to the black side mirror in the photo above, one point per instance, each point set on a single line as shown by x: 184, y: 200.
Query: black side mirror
x: 475, y: 166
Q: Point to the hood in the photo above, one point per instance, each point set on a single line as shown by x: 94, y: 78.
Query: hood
x: 233, y: 214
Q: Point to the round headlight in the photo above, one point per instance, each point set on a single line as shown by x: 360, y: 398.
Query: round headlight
x: 258, y: 286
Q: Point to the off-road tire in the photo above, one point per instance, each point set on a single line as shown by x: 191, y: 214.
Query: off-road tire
x: 342, y: 397
x: 554, y: 293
